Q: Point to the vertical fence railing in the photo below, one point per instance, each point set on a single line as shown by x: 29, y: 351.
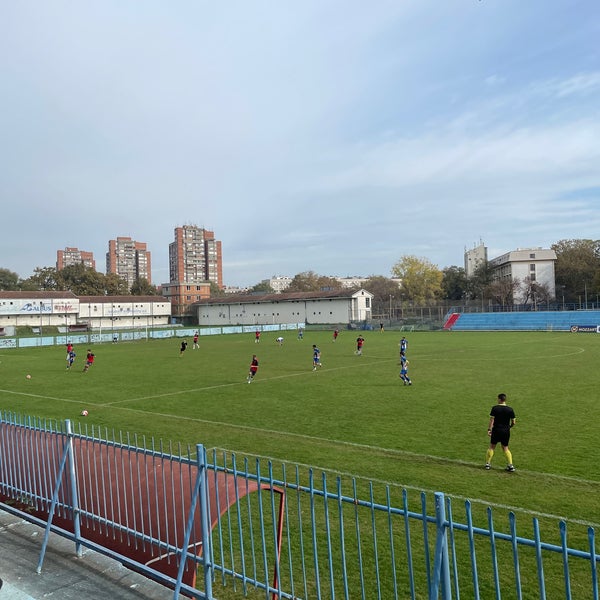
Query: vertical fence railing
x: 261, y: 529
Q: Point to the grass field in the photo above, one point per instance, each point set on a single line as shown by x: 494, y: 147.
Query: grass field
x: 353, y: 416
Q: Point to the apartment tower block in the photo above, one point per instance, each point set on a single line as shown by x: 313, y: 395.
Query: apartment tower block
x: 195, y: 261
x: 129, y: 259
x: 74, y: 256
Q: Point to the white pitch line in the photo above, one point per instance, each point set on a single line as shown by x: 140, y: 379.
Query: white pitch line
x: 420, y: 489
x: 224, y: 385
x: 392, y: 451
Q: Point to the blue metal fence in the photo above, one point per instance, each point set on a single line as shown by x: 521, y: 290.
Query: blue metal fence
x: 254, y: 529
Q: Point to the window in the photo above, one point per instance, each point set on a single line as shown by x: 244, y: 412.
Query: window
x: 367, y: 302
x: 532, y: 267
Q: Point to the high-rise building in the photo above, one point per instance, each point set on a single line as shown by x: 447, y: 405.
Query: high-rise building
x: 195, y: 261
x: 475, y: 258
x: 129, y: 259
x: 74, y: 256
x: 195, y: 256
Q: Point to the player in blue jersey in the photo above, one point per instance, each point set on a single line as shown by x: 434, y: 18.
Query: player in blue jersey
x: 404, y: 369
x: 403, y: 344
x: 316, y: 358
x: 70, y: 358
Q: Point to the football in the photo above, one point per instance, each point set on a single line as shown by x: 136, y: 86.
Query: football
x: 84, y: 413
x: 28, y: 376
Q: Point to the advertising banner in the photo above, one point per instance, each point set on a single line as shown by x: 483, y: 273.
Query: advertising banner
x: 585, y: 328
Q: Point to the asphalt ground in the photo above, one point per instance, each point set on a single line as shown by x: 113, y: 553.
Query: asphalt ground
x: 64, y: 576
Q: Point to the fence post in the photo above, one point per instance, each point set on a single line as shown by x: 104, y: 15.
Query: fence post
x: 441, y: 564
x: 67, y: 455
x: 199, y: 494
x: 74, y: 491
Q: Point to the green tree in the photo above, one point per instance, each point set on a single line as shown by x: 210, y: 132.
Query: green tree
x: 421, y: 279
x: 454, y: 283
x: 43, y: 279
x: 577, y: 267
x: 115, y: 285
x: 142, y: 287
x: 479, y: 283
x: 309, y: 281
x: 262, y: 287
x: 216, y: 291
x: 9, y: 281
x: 81, y: 280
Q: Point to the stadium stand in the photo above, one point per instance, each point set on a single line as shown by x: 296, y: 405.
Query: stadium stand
x: 524, y: 321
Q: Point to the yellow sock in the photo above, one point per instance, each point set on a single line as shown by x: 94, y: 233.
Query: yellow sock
x: 508, y: 455
x: 488, y: 455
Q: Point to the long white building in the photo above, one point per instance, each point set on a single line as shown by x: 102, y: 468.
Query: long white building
x: 526, y: 264
x: 335, y: 306
x: 64, y: 309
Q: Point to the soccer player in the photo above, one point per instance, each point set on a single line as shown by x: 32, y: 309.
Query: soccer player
x: 69, y: 349
x: 300, y: 333
x: 89, y: 360
x: 360, y: 340
x: 253, y: 369
x: 335, y: 334
x: 404, y: 369
x: 70, y: 358
x: 183, y: 348
x: 403, y: 344
x: 502, y: 419
x: 196, y: 345
x: 279, y: 340
x: 316, y: 358
x: 257, y: 337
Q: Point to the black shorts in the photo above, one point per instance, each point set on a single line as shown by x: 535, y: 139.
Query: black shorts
x: 500, y: 436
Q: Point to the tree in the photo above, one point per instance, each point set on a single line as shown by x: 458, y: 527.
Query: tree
x: 309, y: 281
x: 537, y: 293
x: 502, y: 291
x: 478, y: 284
x: 382, y: 288
x: 81, y: 280
x: 43, y: 279
x: 262, y: 287
x: 115, y: 285
x: 577, y: 267
x: 216, y: 291
x: 142, y: 287
x: 454, y: 283
x: 421, y: 279
x: 9, y: 281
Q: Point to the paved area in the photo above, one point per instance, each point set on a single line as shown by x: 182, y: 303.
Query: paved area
x: 64, y: 576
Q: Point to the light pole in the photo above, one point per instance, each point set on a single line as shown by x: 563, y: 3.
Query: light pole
x: 391, y: 309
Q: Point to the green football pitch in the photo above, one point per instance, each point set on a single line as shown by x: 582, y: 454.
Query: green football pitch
x: 353, y: 416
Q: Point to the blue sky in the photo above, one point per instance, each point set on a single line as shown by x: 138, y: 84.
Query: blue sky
x: 332, y: 136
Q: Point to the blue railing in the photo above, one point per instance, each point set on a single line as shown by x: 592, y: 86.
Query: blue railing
x: 282, y: 531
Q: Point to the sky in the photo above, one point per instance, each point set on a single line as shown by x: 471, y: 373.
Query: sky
x: 333, y: 136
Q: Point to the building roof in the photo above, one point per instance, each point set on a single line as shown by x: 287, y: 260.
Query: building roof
x: 114, y: 299
x: 36, y: 295
x: 284, y: 297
